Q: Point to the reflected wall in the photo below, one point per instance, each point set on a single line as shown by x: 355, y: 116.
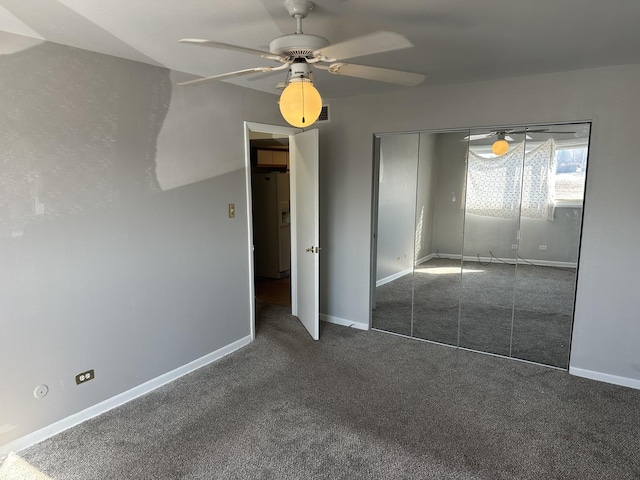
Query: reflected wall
x: 437, y: 271
x: 398, y: 166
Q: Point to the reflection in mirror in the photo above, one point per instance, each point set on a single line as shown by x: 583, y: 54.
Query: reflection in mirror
x: 549, y: 242
x: 439, y: 222
x: 508, y: 202
x: 492, y: 208
x: 392, y: 295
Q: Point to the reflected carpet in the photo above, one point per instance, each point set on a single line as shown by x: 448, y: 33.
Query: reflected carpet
x: 428, y: 303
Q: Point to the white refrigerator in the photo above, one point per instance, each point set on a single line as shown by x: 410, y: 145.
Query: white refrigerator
x: 271, y: 224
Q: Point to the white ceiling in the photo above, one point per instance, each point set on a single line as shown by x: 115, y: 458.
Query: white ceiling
x: 456, y: 40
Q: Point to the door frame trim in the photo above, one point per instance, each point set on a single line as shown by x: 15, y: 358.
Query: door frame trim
x: 272, y: 129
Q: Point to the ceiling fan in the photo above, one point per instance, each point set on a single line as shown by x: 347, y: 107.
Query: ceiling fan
x: 299, y: 51
x: 505, y: 134
x: 501, y: 144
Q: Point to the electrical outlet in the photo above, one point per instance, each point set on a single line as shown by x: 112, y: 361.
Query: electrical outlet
x: 84, y: 377
x: 232, y: 210
x: 542, y: 247
x: 514, y: 247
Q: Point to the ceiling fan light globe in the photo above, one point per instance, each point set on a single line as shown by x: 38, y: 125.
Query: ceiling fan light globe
x: 500, y: 147
x: 300, y: 103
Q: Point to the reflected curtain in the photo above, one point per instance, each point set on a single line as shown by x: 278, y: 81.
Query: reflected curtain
x: 494, y: 187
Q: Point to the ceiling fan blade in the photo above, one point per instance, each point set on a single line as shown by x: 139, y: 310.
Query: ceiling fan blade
x: 483, y: 136
x: 477, y: 136
x: 540, y: 130
x: 398, y: 77
x: 255, y: 78
x: 554, y: 132
x: 377, y: 42
x: 224, y: 76
x: 235, y: 48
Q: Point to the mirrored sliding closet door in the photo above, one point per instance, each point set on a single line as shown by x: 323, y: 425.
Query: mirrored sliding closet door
x: 397, y: 166
x: 477, y: 236
x: 550, y: 231
x: 491, y: 219
x: 439, y: 227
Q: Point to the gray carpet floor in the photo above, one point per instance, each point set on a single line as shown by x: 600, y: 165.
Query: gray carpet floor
x: 357, y: 405
x: 485, y: 300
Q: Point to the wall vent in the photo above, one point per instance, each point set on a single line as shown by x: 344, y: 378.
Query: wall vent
x: 324, y: 114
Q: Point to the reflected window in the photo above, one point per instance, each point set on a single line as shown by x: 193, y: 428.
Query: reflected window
x: 497, y: 188
x: 564, y: 187
x: 571, y: 167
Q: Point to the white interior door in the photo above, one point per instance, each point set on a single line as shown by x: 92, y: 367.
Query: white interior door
x: 305, y: 213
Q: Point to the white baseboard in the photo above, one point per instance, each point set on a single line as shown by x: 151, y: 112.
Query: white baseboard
x: 393, y: 277
x: 473, y: 258
x: 520, y: 261
x: 452, y: 256
x: 344, y: 322
x: 605, y: 377
x: 120, y: 399
x: 551, y: 263
x: 425, y: 258
x: 512, y: 261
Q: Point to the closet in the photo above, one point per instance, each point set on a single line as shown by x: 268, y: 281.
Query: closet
x: 477, y: 235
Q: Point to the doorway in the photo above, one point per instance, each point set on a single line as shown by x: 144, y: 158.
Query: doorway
x: 300, y: 217
x: 270, y: 192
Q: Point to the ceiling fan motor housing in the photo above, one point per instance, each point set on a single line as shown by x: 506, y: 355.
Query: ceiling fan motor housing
x: 297, y: 45
x: 300, y: 70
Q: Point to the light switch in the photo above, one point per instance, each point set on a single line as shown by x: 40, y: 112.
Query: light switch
x: 232, y: 210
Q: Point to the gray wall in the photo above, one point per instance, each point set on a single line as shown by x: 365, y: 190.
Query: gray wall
x: 451, y: 168
x: 406, y: 188
x: 396, y: 203
x: 116, y: 250
x: 496, y: 235
x: 425, y: 198
x: 562, y: 236
x: 606, y: 330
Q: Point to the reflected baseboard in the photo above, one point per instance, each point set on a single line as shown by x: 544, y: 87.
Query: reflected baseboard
x: 473, y: 258
x: 404, y: 272
x: 426, y: 259
x: 393, y: 277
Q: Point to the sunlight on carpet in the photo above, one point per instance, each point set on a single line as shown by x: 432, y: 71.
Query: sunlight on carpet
x: 15, y: 468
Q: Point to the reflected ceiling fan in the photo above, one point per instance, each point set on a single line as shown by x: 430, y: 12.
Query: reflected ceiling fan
x: 300, y: 102
x: 511, y: 131
x: 501, y: 145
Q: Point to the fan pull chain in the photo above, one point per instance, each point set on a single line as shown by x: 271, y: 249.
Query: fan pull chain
x: 302, y: 90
